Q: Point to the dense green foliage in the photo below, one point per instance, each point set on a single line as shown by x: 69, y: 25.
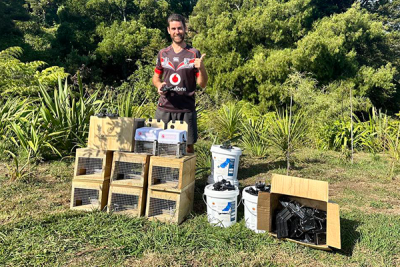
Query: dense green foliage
x: 260, y: 54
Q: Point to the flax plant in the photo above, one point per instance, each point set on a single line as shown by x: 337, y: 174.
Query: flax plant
x: 286, y: 133
x: 68, y: 112
x: 252, y: 141
x: 228, y: 121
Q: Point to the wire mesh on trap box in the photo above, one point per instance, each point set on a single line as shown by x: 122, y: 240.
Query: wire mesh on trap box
x: 160, y: 206
x: 123, y: 202
x: 88, y: 166
x: 176, y: 150
x: 148, y: 147
x: 127, y: 170
x: 164, y: 175
x: 85, y: 196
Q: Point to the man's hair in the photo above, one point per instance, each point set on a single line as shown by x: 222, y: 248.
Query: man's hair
x: 177, y: 17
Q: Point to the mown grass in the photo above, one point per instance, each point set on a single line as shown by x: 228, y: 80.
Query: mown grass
x: 37, y: 227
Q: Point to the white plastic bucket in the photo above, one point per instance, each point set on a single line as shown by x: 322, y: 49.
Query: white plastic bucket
x: 224, y: 164
x: 250, y: 210
x: 221, y: 206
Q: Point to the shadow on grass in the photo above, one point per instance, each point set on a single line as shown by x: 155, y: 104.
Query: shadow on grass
x: 349, y: 236
x: 256, y: 169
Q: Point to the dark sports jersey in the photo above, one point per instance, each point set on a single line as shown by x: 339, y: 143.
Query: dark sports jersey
x: 177, y: 70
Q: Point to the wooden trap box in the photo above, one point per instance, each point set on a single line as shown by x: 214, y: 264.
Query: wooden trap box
x: 89, y: 195
x: 113, y: 133
x: 93, y: 164
x: 130, y: 169
x: 127, y: 200
x: 171, y: 174
x: 309, y: 193
x: 168, y: 206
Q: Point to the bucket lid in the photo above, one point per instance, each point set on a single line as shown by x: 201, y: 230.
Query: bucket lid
x: 234, y: 151
x: 209, y: 191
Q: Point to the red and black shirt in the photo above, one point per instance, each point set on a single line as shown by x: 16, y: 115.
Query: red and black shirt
x: 177, y: 69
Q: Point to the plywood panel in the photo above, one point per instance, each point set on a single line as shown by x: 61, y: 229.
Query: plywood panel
x: 115, y: 134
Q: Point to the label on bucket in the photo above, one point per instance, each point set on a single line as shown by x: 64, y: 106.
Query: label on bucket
x: 225, y: 167
x: 223, y: 211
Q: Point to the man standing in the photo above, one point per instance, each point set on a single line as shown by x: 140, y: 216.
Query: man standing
x: 180, y: 66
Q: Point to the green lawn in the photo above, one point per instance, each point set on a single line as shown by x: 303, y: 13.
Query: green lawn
x: 37, y: 227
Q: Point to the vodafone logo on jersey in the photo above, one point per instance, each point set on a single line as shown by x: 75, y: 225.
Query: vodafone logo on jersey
x: 175, y: 79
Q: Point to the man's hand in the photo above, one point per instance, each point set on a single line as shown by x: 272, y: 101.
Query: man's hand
x: 198, y: 62
x: 159, y: 88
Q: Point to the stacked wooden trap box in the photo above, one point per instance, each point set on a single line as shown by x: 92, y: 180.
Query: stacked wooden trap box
x: 91, y: 179
x: 108, y: 173
x: 94, y: 165
x: 171, y: 183
x: 128, y: 183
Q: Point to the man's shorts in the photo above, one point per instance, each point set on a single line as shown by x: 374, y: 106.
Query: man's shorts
x: 189, y: 117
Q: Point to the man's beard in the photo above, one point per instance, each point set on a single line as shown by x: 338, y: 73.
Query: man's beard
x: 182, y: 38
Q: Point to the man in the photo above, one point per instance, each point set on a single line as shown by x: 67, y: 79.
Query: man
x: 180, y: 66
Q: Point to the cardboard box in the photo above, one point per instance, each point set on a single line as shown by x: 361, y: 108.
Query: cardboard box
x: 116, y: 133
x: 310, y: 193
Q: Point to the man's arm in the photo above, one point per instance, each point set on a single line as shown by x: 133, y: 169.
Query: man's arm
x: 202, y: 78
x: 158, y: 83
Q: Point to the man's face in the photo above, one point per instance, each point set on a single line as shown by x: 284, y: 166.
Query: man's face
x: 176, y: 31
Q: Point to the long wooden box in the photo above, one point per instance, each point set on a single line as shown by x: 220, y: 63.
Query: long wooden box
x: 130, y: 169
x: 171, y: 174
x: 169, y: 207
x: 93, y: 164
x: 89, y: 195
x: 117, y: 134
x: 127, y: 200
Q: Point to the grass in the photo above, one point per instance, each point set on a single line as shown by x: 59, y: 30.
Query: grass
x: 37, y: 227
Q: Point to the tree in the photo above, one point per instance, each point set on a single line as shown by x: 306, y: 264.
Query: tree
x: 18, y: 78
x: 123, y: 43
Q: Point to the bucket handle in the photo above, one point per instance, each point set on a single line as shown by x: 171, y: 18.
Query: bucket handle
x: 205, y: 202
x: 244, y: 204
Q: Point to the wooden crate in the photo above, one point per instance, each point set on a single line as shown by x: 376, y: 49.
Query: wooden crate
x: 130, y: 169
x: 93, y: 164
x: 89, y: 195
x: 171, y: 174
x: 117, y: 134
x: 127, y: 200
x: 168, y: 206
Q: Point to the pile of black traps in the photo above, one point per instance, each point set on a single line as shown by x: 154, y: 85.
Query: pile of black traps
x: 301, y: 223
x: 223, y: 185
x: 260, y: 186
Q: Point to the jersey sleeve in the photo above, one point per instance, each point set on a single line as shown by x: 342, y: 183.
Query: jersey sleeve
x: 196, y: 71
x: 158, y: 69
